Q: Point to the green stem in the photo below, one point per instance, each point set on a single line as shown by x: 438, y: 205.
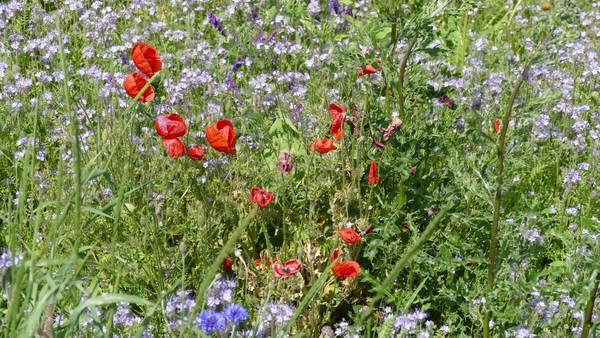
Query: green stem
x: 409, y: 254
x: 75, y: 135
x: 501, y: 148
x: 401, y: 75
x: 589, y: 308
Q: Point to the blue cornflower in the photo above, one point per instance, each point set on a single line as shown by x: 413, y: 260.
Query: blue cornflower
x: 210, y: 321
x: 235, y: 313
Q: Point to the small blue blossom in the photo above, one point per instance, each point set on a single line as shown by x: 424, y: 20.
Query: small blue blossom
x: 236, y: 313
x: 210, y: 321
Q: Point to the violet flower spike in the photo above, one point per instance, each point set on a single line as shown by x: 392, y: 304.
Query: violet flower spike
x: 215, y: 22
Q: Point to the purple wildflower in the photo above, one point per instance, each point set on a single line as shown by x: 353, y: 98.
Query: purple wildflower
x: 124, y: 58
x: 446, y: 101
x: 238, y: 63
x: 335, y: 6
x: 215, y: 22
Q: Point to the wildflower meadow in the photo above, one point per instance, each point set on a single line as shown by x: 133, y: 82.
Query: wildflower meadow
x: 299, y: 168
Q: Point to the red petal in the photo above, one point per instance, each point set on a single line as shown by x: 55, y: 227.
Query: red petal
x: 133, y: 83
x: 175, y: 148
x: 196, y: 153
x: 146, y: 59
x: 170, y: 126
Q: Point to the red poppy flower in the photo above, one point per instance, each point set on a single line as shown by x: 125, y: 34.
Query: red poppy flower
x: 146, y: 59
x: 175, y: 148
x: 261, y: 197
x: 228, y: 263
x: 323, y: 146
x: 349, y: 236
x: 287, y: 269
x: 336, y: 109
x: 221, y: 137
x: 196, y: 153
x: 336, y: 127
x: 170, y: 126
x: 496, y: 125
x: 368, y: 69
x: 373, y: 176
x: 346, y: 269
x: 134, y: 83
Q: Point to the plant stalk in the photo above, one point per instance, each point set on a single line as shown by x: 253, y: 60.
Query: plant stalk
x: 501, y: 148
x: 589, y: 309
x: 409, y: 49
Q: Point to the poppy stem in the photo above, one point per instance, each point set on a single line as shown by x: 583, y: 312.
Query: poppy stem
x: 403, y: 63
x: 589, y: 308
x: 501, y: 148
x: 75, y: 148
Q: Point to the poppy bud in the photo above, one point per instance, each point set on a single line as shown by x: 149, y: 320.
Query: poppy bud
x: 373, y: 176
x: 496, y: 125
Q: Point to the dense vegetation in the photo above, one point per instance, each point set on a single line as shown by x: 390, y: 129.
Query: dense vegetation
x: 304, y: 168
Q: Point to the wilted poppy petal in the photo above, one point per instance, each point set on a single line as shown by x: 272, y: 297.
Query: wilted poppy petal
x: 175, y: 148
x: 134, y: 83
x: 196, y: 153
x: 146, y: 59
x: 221, y: 136
x: 170, y: 126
